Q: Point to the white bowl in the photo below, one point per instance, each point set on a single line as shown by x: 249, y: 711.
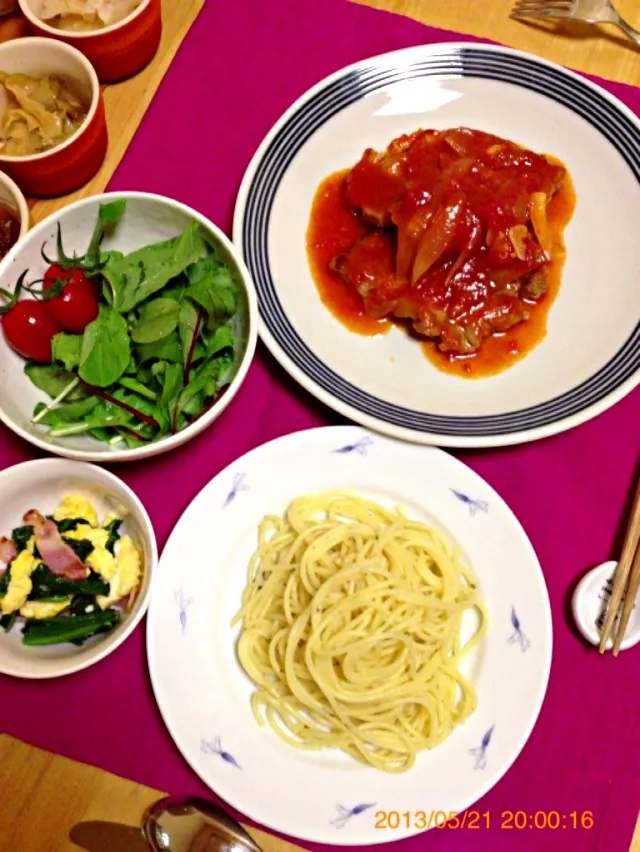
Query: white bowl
x: 147, y: 219
x: 40, y: 485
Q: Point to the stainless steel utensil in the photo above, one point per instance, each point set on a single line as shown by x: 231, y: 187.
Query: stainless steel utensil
x: 591, y: 11
x: 194, y: 825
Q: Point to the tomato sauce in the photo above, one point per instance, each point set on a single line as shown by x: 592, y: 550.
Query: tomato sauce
x: 501, y: 351
x: 333, y: 229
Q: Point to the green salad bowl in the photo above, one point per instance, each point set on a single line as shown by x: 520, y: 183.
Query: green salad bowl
x: 129, y: 323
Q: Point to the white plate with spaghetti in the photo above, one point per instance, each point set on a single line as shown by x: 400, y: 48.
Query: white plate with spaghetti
x: 398, y: 622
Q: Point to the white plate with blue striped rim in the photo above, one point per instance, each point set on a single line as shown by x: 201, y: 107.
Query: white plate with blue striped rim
x: 590, y: 356
x: 204, y: 696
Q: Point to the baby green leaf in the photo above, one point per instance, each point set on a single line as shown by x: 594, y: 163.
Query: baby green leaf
x: 108, y: 217
x: 137, y: 387
x: 199, y: 353
x: 105, y: 352
x: 104, y: 415
x: 139, y: 275
x: 53, y: 380
x: 146, y: 407
x: 222, y: 338
x: 173, y: 383
x: 66, y: 349
x: 223, y: 362
x: 70, y: 411
x: 188, y: 324
x: 167, y: 349
x: 203, y: 384
x: 158, y: 318
x: 212, y: 287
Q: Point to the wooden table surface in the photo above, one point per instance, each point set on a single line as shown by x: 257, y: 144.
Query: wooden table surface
x: 65, y: 806
x: 125, y: 102
x: 601, y: 50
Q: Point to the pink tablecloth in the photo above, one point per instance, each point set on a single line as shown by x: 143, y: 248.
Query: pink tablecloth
x: 237, y: 71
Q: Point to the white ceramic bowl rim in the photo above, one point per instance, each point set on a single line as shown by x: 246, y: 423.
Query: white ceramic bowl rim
x: 62, y: 47
x: 28, y: 13
x: 218, y: 407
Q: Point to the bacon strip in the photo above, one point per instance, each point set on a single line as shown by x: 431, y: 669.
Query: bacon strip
x: 7, y: 550
x: 59, y: 558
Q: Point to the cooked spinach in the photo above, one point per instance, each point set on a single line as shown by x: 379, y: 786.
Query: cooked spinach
x: 80, y: 546
x: 69, y: 628
x: 7, y: 621
x: 46, y: 584
x: 21, y: 537
x: 114, y: 534
x: 68, y: 524
x: 83, y: 605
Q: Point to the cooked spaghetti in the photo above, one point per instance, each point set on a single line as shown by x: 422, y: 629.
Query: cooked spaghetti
x: 351, y: 630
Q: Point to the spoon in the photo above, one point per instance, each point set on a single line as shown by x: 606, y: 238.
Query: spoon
x: 193, y: 825
x: 589, y: 604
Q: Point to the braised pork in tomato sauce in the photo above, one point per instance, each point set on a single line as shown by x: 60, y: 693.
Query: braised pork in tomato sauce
x: 456, y: 235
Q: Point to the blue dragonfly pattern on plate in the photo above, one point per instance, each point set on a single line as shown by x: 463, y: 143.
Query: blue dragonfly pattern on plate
x: 361, y: 447
x: 215, y: 747
x: 346, y: 814
x: 237, y: 486
x: 473, y: 505
x: 518, y: 634
x: 480, y: 752
x: 183, y: 605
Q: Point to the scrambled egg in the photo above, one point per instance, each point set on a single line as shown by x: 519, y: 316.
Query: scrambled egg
x: 99, y: 560
x: 110, y: 518
x: 43, y: 609
x: 127, y: 575
x: 20, y: 584
x: 75, y: 506
x: 123, y: 571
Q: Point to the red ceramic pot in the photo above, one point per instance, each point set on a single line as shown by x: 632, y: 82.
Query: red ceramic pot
x: 116, y: 52
x: 70, y: 165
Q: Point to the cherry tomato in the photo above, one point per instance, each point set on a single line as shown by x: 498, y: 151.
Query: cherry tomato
x: 29, y: 329
x: 76, y: 305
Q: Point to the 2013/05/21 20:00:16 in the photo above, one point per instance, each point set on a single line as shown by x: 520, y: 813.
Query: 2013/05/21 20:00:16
x: 506, y: 820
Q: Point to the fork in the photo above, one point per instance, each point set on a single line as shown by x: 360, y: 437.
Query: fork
x: 591, y: 11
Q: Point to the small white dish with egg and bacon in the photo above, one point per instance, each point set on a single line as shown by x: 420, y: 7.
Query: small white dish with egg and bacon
x: 75, y: 572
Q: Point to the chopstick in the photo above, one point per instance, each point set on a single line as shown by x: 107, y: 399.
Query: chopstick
x: 629, y: 600
x: 628, y: 571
